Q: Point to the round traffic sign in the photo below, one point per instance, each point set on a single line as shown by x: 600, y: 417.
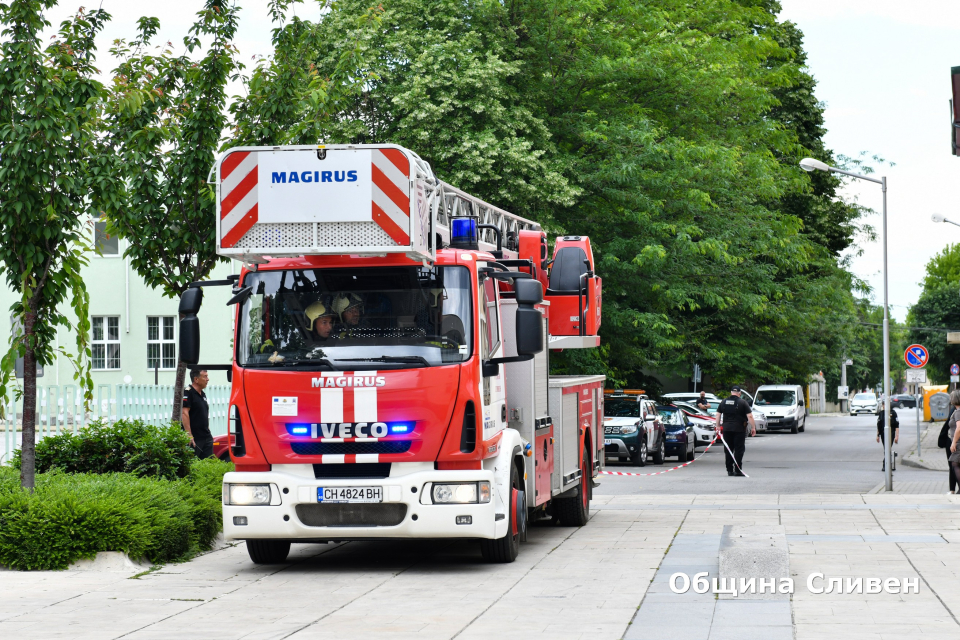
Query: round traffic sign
x: 916, y: 356
x: 955, y: 370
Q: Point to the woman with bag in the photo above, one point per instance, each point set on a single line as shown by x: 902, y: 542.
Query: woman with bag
x: 944, y: 443
x: 954, y: 434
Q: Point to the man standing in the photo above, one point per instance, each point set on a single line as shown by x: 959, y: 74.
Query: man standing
x: 195, y: 414
x: 735, y: 413
x: 702, y: 403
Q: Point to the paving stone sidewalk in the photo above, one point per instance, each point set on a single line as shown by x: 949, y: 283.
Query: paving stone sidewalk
x: 604, y: 581
x: 931, y: 456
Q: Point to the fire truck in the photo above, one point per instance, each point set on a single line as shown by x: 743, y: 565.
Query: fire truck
x: 390, y: 374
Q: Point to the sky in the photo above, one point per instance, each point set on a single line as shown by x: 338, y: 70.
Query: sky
x: 883, y: 71
x: 882, y: 68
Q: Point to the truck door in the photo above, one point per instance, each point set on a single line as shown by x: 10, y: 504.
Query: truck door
x: 491, y: 346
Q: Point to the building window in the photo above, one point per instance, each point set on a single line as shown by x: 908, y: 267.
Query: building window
x: 106, y: 244
x: 161, y: 346
x: 106, y: 342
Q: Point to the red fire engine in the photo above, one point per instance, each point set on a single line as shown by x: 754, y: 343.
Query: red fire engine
x: 390, y: 376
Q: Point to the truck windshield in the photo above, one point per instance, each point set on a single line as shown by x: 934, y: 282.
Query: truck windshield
x: 775, y: 397
x: 357, y: 319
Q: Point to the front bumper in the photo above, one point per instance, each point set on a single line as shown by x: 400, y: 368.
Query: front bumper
x: 620, y: 446
x: 673, y: 447
x: 780, y: 423
x: 280, y: 520
x: 862, y: 410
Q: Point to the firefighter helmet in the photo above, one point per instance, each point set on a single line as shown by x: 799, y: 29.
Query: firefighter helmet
x: 347, y: 300
x: 320, y: 308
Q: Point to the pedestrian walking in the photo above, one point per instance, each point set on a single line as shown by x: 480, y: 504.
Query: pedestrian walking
x: 735, y: 413
x: 944, y: 441
x: 195, y: 415
x: 894, y: 429
x: 954, y: 434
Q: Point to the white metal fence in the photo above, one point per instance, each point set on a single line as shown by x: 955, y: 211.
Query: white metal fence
x: 60, y: 409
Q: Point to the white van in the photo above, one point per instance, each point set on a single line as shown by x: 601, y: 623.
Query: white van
x: 784, y: 406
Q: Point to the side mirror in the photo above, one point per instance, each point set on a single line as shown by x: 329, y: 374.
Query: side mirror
x: 489, y: 369
x: 528, y: 291
x: 190, y: 303
x: 529, y: 329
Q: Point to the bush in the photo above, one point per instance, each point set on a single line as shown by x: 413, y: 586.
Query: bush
x: 74, y: 516
x: 128, y: 446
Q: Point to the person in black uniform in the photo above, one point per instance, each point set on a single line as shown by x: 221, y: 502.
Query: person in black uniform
x: 735, y: 413
x: 195, y: 414
x: 894, y: 429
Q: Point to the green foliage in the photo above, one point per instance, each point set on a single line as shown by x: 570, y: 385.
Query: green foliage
x: 943, y: 268
x: 74, y: 516
x: 936, y: 312
x: 128, y: 446
x: 49, y: 101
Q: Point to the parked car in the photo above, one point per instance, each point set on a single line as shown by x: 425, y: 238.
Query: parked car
x: 704, y: 426
x: 680, y: 437
x: 864, y: 403
x: 783, y: 406
x: 632, y: 428
x: 221, y: 447
x: 692, y: 399
x: 903, y: 400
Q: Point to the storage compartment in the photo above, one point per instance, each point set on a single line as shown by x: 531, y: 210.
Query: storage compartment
x: 576, y: 412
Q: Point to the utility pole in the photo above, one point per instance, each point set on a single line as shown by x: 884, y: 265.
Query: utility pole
x: 843, y: 379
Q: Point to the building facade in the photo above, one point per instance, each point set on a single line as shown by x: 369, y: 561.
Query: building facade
x: 134, y: 329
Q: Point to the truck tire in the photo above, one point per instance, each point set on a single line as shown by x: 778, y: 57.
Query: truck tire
x: 639, y: 459
x: 575, y: 512
x: 268, y: 551
x: 661, y: 453
x: 794, y: 428
x: 507, y: 548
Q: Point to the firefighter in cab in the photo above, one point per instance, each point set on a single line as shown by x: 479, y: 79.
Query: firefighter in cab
x: 349, y: 306
x: 322, y: 319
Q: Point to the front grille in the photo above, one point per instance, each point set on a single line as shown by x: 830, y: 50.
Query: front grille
x: 320, y: 448
x: 361, y: 470
x: 611, y: 429
x: 385, y: 514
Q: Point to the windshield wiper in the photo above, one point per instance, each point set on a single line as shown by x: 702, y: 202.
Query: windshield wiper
x: 405, y: 359
x: 299, y: 361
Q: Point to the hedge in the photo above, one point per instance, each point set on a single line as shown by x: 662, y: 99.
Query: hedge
x: 129, y: 446
x: 73, y: 516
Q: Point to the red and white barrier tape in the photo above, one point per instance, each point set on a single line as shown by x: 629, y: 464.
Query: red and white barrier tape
x: 680, y: 466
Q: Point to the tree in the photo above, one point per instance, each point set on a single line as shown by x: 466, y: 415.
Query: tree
x: 164, y: 125
x: 49, y: 101
x: 943, y: 268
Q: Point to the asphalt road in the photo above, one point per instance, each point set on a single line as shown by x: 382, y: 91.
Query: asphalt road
x: 834, y: 455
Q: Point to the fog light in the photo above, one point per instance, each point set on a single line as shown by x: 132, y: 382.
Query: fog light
x: 248, y: 494
x: 459, y: 493
x: 464, y: 519
x: 240, y: 521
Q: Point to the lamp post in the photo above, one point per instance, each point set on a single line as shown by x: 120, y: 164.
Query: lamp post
x: 809, y: 164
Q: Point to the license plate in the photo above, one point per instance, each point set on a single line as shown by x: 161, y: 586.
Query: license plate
x: 350, y: 494
x: 607, y: 441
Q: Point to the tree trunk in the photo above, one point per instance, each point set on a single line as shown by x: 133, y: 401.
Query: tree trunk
x: 28, y: 452
x: 178, y: 387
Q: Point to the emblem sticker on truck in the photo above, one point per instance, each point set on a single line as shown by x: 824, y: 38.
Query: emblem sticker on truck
x: 284, y: 405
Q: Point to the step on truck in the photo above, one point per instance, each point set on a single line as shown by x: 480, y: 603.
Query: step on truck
x: 390, y: 373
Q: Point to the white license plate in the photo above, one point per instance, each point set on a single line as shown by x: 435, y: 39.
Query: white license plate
x: 350, y: 494
x: 607, y: 441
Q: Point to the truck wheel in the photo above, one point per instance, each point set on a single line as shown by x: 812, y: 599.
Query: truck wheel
x: 575, y: 512
x: 794, y: 428
x: 507, y: 548
x: 639, y: 459
x: 268, y: 551
x: 661, y: 452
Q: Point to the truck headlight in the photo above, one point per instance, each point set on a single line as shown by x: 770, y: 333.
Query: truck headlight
x: 246, y: 495
x: 628, y: 429
x: 461, y: 493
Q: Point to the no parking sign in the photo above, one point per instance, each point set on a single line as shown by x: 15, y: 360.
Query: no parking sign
x: 916, y: 356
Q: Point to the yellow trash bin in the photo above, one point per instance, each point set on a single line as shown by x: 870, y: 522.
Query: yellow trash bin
x: 929, y: 390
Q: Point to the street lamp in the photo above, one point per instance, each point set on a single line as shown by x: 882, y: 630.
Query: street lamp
x: 939, y: 218
x: 809, y: 164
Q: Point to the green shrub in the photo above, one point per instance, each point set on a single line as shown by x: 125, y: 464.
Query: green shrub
x: 74, y: 516
x: 128, y: 446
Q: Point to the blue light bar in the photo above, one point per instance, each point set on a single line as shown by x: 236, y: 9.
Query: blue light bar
x: 400, y: 428
x: 298, y: 429
x: 463, y: 233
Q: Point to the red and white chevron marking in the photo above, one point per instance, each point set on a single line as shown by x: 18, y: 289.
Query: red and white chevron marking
x: 238, y: 196
x: 391, y: 193
x: 658, y: 473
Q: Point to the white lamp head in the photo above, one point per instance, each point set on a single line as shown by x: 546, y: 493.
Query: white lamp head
x: 937, y: 217
x: 809, y: 164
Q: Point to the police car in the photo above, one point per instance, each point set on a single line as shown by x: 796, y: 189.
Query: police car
x: 632, y: 427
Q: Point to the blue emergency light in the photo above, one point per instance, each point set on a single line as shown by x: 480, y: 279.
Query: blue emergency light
x: 463, y: 233
x: 298, y: 429
x: 400, y: 428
